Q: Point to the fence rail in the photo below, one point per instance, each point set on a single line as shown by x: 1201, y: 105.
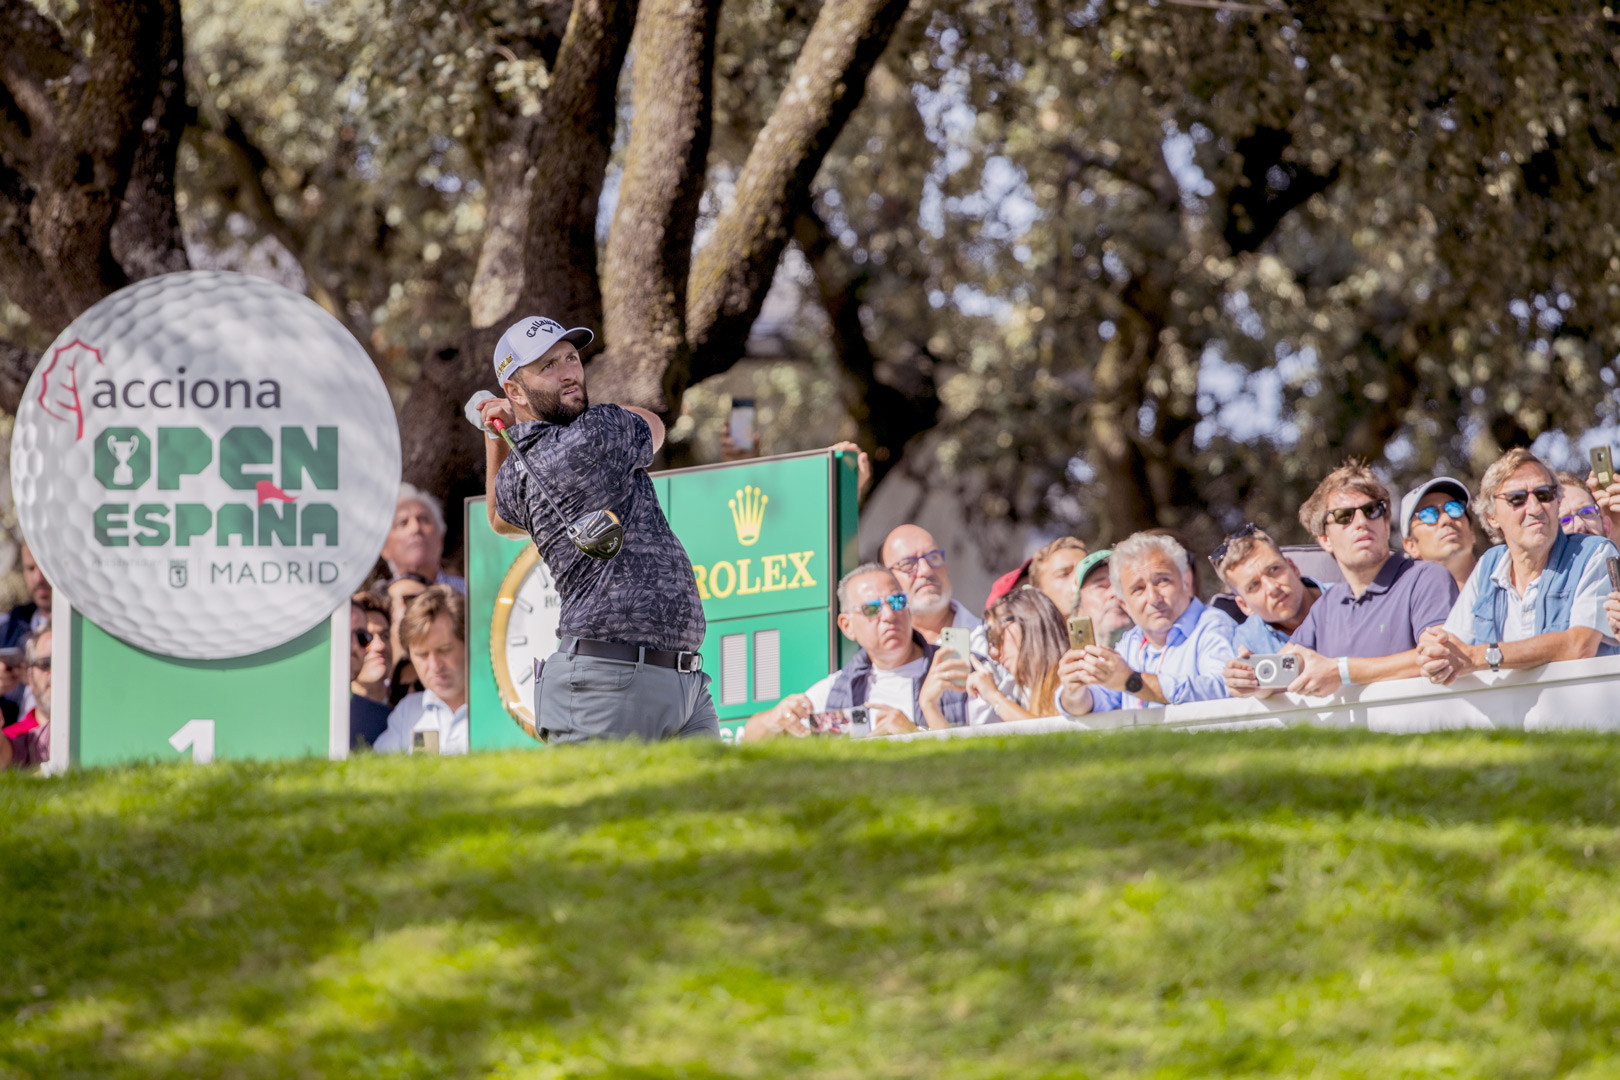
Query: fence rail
x: 1571, y: 695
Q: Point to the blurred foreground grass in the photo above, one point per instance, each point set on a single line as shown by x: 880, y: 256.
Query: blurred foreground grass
x: 1259, y: 904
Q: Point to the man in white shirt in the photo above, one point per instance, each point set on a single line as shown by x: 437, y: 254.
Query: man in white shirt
x: 432, y: 631
x: 907, y: 682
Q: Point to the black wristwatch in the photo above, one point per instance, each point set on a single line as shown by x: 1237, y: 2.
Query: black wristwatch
x: 1133, y: 683
x: 1493, y: 656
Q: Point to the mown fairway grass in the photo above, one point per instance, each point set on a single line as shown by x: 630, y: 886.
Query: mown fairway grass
x: 1258, y: 904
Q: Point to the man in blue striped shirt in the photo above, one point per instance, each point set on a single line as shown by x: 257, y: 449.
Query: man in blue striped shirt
x: 1176, y: 652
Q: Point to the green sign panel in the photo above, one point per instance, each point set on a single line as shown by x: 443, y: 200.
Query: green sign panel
x: 128, y: 704
x: 768, y: 540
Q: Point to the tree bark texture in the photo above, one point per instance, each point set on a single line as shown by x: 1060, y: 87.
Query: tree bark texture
x: 649, y: 251
x: 87, y: 153
x: 733, y: 271
x: 568, y: 148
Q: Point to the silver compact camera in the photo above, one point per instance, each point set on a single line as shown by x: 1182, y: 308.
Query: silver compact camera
x: 1276, y: 670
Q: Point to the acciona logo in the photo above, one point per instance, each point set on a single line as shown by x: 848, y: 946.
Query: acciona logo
x: 206, y: 464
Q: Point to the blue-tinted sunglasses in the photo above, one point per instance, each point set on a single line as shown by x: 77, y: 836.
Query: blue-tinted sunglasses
x: 1430, y: 515
x: 896, y: 602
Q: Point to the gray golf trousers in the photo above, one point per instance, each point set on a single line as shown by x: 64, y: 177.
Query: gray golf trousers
x: 579, y: 698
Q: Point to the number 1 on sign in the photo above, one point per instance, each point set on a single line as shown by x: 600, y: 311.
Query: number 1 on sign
x: 198, y: 737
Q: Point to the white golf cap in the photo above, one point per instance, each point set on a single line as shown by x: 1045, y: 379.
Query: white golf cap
x: 527, y: 340
x: 1412, y: 498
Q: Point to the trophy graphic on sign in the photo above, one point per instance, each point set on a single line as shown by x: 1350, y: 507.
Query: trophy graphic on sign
x: 123, y: 475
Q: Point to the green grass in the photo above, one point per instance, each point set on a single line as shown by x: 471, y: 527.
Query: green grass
x: 1257, y: 904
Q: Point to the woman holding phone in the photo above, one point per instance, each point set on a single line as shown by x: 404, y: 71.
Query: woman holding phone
x: 1026, y: 636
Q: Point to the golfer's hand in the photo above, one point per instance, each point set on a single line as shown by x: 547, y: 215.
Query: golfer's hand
x: 497, y: 409
x: 887, y: 720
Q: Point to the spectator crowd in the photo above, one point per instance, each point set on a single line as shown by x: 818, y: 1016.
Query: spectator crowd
x: 1436, y: 606
x: 1073, y: 632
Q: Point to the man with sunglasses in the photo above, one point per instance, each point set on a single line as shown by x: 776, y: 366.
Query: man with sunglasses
x: 1578, y: 511
x: 907, y: 682
x: 631, y: 622
x: 370, y: 662
x: 1537, y: 596
x: 27, y: 743
x: 1435, y: 526
x: 1367, y: 631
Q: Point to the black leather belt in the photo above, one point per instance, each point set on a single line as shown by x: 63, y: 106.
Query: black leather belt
x: 685, y: 662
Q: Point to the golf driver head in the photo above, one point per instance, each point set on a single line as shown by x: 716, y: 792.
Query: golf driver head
x: 598, y: 534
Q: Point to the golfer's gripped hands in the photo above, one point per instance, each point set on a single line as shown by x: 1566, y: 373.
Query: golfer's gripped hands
x: 497, y: 408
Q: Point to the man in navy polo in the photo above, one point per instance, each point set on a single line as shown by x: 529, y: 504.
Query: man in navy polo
x: 1368, y: 630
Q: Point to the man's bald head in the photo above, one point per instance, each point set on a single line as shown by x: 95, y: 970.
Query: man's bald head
x: 906, y: 540
x: 917, y: 560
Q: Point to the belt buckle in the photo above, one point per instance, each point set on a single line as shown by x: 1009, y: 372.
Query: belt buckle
x: 688, y: 663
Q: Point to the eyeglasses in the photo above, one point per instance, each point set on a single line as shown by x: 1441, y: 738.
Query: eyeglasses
x: 908, y: 565
x: 896, y: 602
x: 1430, y: 515
x: 1219, y: 553
x: 366, y: 637
x: 41, y: 664
x: 1590, y: 513
x: 1546, y: 493
x: 1371, y: 511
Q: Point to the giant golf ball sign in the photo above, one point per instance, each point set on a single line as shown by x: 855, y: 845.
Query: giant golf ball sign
x: 206, y: 464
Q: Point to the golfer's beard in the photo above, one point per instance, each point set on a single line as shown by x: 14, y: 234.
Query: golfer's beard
x: 550, y: 407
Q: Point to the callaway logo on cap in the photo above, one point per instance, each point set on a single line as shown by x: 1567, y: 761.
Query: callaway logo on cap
x: 526, y: 340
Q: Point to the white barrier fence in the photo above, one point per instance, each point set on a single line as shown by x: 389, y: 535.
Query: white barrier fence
x: 1571, y: 695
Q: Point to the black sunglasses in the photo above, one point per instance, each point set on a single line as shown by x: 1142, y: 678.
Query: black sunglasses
x: 1371, y: 511
x: 42, y: 664
x: 1546, y: 493
x: 1219, y: 553
x: 1430, y: 515
x: 366, y: 637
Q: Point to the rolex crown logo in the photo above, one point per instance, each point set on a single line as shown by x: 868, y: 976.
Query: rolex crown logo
x: 748, y: 513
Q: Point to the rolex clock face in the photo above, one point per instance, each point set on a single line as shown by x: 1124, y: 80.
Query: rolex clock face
x: 524, y: 627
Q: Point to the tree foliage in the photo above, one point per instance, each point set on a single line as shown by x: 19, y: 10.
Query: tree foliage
x: 1104, y: 263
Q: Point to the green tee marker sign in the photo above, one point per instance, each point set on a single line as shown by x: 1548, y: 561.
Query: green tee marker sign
x: 205, y: 466
x: 768, y: 540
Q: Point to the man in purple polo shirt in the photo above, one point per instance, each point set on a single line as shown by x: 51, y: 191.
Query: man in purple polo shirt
x: 1367, y: 631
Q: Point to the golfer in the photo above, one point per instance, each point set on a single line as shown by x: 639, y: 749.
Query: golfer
x: 631, y: 622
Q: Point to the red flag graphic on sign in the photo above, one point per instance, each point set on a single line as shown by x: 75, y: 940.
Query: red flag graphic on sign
x: 267, y: 491
x: 59, y: 383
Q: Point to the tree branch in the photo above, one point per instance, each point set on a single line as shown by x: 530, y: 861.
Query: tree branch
x: 732, y: 273
x: 886, y: 417
x: 650, y: 248
x: 574, y: 138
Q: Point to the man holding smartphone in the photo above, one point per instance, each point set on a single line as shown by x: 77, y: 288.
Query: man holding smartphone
x: 631, y: 623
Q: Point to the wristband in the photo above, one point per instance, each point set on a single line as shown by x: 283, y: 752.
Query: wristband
x: 1344, y: 671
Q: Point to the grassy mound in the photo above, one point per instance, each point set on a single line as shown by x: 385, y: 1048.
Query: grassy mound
x: 1258, y: 904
